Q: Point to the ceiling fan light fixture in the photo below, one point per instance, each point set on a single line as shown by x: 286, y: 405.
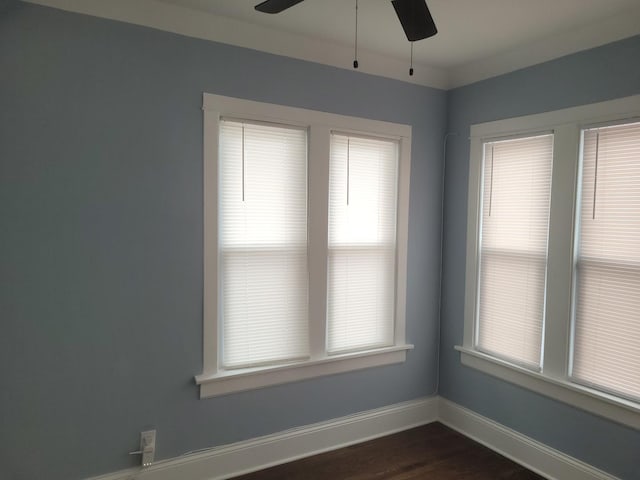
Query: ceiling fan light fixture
x: 415, y: 18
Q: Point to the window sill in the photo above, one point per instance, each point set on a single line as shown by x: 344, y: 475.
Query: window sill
x: 608, y: 406
x: 229, y: 381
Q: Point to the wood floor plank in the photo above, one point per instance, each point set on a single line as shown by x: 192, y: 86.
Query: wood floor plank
x: 429, y: 452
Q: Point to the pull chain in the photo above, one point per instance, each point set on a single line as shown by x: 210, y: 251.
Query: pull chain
x: 595, y: 177
x: 243, y: 162
x: 355, y: 61
x: 348, y: 167
x: 491, y: 185
x: 411, y: 64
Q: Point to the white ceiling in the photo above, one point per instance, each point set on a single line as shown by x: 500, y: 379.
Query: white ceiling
x: 468, y: 29
x: 477, y: 38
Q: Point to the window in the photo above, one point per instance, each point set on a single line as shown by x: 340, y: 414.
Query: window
x: 362, y: 242
x: 606, y: 337
x: 306, y: 219
x: 513, y: 247
x: 553, y: 258
x: 262, y: 237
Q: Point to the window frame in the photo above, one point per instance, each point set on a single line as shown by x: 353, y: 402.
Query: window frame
x: 553, y: 378
x: 214, y: 379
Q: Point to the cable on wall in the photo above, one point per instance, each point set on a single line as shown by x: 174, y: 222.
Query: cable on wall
x: 444, y: 171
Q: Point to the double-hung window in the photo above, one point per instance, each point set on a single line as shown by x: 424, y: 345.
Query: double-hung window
x: 513, y: 247
x: 362, y: 242
x: 606, y: 329
x: 262, y: 235
x: 552, y: 297
x: 305, y: 244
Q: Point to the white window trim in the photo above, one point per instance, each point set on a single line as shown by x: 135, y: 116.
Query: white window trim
x: 214, y: 380
x: 552, y: 380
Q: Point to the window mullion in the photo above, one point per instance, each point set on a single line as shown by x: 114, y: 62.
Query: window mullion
x: 319, y: 154
x: 557, y: 330
x: 402, y: 240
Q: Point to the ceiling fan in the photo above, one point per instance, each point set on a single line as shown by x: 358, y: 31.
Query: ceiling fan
x: 414, y: 15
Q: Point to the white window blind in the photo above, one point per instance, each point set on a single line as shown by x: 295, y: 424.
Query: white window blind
x: 362, y: 242
x: 263, y: 243
x: 606, y: 349
x: 513, y: 247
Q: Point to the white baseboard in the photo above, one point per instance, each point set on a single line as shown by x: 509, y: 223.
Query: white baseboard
x: 535, y: 456
x: 256, y: 454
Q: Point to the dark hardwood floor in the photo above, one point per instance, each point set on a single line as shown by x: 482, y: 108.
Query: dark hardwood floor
x: 429, y: 452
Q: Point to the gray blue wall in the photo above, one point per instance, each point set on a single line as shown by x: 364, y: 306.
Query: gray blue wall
x: 101, y: 241
x: 601, y: 74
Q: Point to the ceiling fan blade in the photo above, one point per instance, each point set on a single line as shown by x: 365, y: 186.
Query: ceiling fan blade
x: 415, y: 18
x: 276, y: 6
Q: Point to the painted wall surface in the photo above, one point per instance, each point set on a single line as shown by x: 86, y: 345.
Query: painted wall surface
x: 101, y: 241
x: 604, y: 73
